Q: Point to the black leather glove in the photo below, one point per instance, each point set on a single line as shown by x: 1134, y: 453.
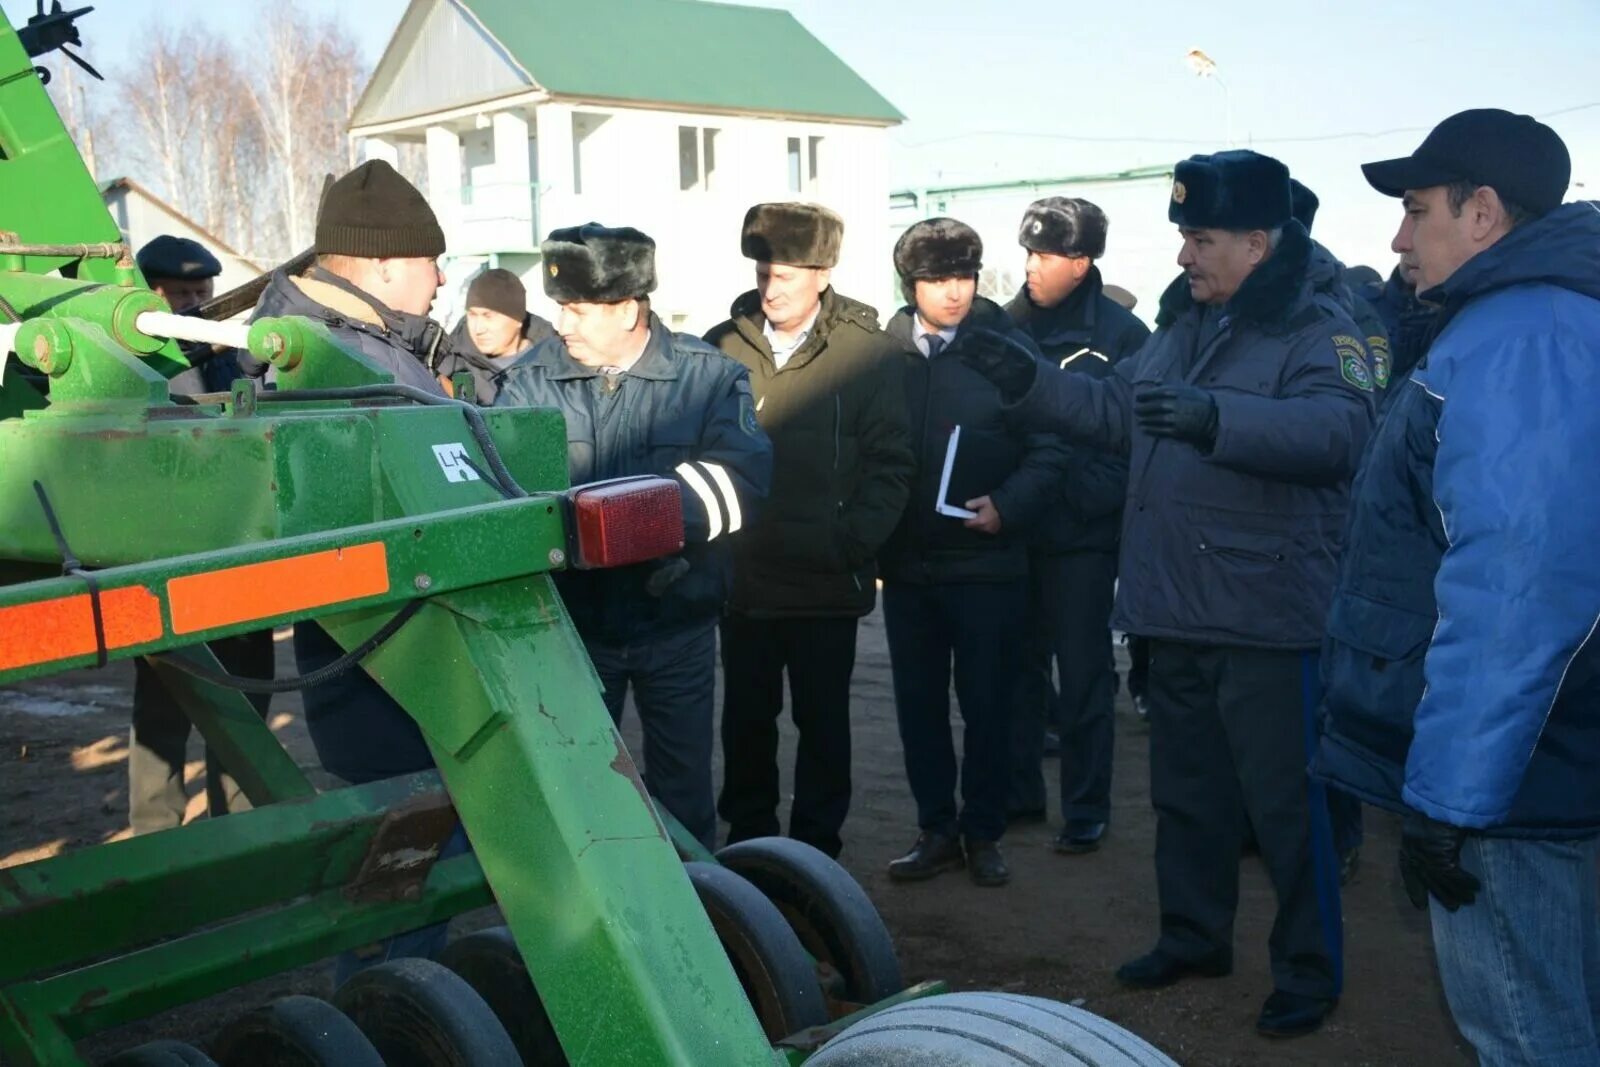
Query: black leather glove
x: 1179, y: 411
x: 667, y: 572
x: 1009, y: 365
x: 1430, y: 863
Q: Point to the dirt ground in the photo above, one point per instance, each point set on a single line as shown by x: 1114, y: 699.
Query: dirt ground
x: 1059, y: 930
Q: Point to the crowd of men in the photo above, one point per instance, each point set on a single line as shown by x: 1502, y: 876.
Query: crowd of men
x: 1349, y: 530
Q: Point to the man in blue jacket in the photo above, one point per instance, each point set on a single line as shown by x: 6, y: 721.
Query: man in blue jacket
x: 1244, y: 417
x: 640, y: 399
x: 1463, y: 680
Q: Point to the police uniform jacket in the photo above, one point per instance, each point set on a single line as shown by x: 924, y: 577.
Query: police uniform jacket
x: 1020, y: 470
x: 683, y: 411
x: 836, y: 414
x: 1235, y: 545
x: 1462, y: 663
x: 1087, y: 333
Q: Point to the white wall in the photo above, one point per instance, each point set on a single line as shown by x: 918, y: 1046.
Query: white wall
x: 621, y: 167
x: 141, y: 219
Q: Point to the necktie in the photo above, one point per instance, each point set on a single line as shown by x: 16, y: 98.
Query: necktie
x: 935, y: 344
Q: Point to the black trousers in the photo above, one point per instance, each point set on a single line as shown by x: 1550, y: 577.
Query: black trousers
x: 976, y: 628
x: 1069, y: 613
x: 673, y: 677
x: 160, y: 739
x: 819, y: 655
x: 1231, y: 733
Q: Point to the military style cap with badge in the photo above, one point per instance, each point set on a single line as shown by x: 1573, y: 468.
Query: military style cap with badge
x: 177, y: 257
x: 1234, y: 190
x: 595, y: 264
x: 794, y: 234
x: 1064, y: 226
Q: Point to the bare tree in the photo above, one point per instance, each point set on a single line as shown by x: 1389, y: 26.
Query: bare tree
x: 310, y: 75
x: 85, y: 109
x: 239, y: 141
x: 157, y: 104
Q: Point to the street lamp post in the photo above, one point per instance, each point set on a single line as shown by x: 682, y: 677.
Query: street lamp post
x: 1206, y: 67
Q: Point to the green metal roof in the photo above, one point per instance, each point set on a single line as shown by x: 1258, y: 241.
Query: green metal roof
x: 687, y: 53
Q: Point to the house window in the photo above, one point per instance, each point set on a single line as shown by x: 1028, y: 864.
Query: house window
x: 697, y: 157
x: 803, y: 156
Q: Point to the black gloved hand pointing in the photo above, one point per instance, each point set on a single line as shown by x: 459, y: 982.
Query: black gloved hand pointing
x: 1009, y: 365
x: 1430, y: 863
x: 1179, y: 411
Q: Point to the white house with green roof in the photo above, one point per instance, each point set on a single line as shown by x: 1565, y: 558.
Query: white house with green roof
x: 673, y: 116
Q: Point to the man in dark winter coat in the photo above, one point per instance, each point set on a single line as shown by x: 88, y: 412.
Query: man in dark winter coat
x: 1073, y: 563
x: 955, y: 571
x: 1243, y: 418
x: 828, y: 387
x: 375, y: 278
x: 1329, y: 279
x: 640, y: 399
x: 183, y: 273
x: 497, y: 330
x: 1463, y: 668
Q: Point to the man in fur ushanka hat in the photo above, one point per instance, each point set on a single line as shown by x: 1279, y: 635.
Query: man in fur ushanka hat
x: 955, y: 571
x: 828, y: 391
x: 1072, y: 566
x: 1244, y: 417
x: 640, y: 399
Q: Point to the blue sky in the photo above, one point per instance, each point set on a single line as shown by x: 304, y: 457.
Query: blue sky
x: 1028, y: 88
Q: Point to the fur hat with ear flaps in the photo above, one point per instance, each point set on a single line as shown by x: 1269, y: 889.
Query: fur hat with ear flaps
x: 797, y: 235
x: 1064, y: 226
x: 938, y: 248
x: 1234, y: 190
x: 595, y: 264
x: 1303, y: 203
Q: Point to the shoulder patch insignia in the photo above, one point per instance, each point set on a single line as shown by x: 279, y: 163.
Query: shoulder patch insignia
x: 1378, y: 349
x: 1352, y: 357
x: 747, y: 407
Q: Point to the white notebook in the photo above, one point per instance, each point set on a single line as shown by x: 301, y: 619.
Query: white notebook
x: 941, y: 505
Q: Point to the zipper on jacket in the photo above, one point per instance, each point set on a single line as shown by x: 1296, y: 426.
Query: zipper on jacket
x: 1246, y: 553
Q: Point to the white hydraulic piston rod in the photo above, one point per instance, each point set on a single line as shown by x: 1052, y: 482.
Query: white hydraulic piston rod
x: 189, y: 328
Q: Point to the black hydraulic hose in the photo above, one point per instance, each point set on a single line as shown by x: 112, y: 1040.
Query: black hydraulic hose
x: 339, y: 666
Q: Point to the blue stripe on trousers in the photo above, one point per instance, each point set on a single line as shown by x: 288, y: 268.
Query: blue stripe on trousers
x: 1324, y: 860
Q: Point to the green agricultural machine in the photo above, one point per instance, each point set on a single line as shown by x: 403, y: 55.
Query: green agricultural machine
x: 421, y: 534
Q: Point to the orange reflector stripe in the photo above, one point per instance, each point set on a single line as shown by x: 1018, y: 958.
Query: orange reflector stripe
x: 64, y: 627
x: 277, y: 587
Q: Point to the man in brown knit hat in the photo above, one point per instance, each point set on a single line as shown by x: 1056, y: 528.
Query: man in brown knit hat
x: 378, y: 246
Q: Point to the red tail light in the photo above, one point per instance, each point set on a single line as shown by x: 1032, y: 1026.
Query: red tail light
x: 627, y: 520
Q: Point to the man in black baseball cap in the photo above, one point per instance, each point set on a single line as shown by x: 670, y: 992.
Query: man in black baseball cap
x: 1461, y: 673
x: 1478, y: 175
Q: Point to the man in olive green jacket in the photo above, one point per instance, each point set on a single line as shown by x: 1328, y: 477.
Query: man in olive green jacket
x: 829, y: 394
